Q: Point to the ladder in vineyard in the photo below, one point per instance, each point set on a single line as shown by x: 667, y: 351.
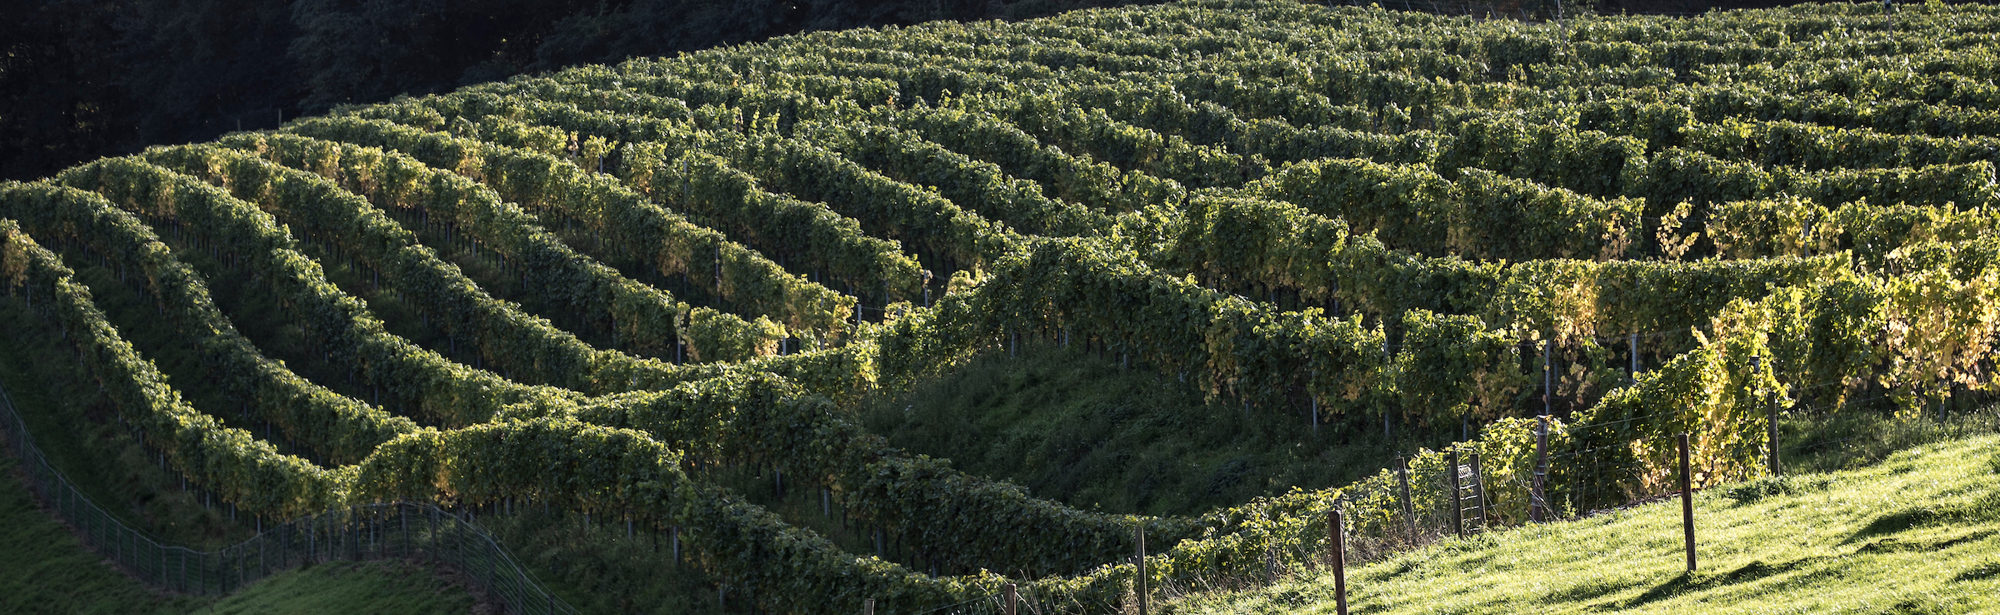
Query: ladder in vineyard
x: 1468, y: 494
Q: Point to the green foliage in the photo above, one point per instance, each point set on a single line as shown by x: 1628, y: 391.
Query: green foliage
x: 231, y: 462
x: 340, y: 429
x: 1288, y: 207
x: 621, y: 221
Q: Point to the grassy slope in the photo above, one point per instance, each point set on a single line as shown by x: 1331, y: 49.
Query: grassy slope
x: 1917, y: 533
x: 342, y: 588
x: 45, y: 569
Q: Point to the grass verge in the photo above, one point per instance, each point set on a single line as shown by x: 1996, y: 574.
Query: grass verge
x: 1918, y: 532
x: 344, y: 588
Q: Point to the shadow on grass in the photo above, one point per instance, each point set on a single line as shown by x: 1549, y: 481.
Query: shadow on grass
x: 1894, y: 545
x: 1985, y: 570
x: 1933, y: 513
x: 1588, y: 590
x: 1699, y: 581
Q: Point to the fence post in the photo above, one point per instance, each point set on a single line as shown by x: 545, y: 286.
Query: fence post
x: 1337, y: 539
x: 1538, y: 500
x: 1315, y: 412
x: 1009, y: 596
x: 1403, y: 480
x: 1140, y: 581
x: 868, y: 607
x: 1771, y: 420
x: 1479, y: 489
x: 1687, y: 503
x: 1385, y: 413
x: 1548, y: 378
x: 1457, y: 506
x: 1635, y: 357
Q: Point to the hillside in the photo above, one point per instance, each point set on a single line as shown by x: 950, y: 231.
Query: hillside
x: 1914, y: 534
x: 913, y: 315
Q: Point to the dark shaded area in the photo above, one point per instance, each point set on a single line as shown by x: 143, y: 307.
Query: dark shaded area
x: 1930, y: 513
x: 83, y: 79
x: 1080, y: 426
x: 1897, y: 545
x: 1699, y: 581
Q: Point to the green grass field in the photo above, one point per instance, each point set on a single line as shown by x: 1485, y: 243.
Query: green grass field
x: 1917, y: 533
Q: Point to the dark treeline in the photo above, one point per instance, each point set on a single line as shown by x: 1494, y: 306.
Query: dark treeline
x: 82, y: 79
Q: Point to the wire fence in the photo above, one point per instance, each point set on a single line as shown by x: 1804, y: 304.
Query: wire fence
x: 1564, y: 473
x: 399, y: 530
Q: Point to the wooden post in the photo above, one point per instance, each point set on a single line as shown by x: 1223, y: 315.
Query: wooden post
x: 1457, y: 506
x: 1635, y: 357
x: 1479, y: 489
x: 1403, y: 480
x: 1009, y: 596
x: 1385, y: 413
x: 1315, y: 411
x: 1548, y: 379
x: 1337, y: 541
x: 1770, y: 419
x: 1140, y: 581
x: 868, y: 607
x: 1687, y: 503
x: 1538, y: 500
x: 1777, y: 467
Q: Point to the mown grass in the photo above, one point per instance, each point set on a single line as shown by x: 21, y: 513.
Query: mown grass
x: 346, y: 588
x: 1918, y: 532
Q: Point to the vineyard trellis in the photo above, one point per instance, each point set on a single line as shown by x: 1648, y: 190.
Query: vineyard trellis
x: 401, y: 530
x: 1356, y: 215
